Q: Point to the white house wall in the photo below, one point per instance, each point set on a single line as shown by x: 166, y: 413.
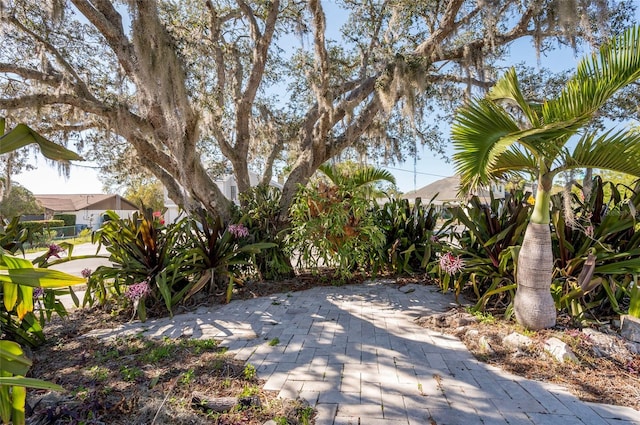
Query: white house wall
x: 93, y: 218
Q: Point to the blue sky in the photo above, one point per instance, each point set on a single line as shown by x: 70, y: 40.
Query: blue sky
x: 428, y: 168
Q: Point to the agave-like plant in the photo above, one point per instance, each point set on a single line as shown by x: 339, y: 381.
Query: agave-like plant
x: 504, y: 133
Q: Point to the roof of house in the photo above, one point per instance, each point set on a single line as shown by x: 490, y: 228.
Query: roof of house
x: 444, y: 190
x: 77, y: 202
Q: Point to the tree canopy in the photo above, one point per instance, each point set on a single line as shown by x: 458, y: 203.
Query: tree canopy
x: 192, y: 89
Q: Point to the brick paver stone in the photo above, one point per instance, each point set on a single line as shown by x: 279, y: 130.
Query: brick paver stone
x: 355, y: 353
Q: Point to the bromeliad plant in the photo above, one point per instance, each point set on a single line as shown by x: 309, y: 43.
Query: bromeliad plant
x: 144, y: 252
x: 219, y: 255
x: 597, y: 247
x: 410, y: 236
x: 488, y: 236
x: 504, y: 133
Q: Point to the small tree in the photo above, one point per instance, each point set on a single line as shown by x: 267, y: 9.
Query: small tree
x: 504, y: 134
x: 19, y: 201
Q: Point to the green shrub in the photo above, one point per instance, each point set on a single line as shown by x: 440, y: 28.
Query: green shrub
x: 335, y: 227
x: 409, y: 234
x: 597, y: 252
x: 40, y: 225
x: 488, y: 236
x: 69, y: 219
x: 260, y: 212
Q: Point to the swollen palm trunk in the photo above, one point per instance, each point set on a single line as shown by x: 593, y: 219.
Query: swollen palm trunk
x: 533, y: 304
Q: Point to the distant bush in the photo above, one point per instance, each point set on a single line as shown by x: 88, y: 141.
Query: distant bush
x: 41, y: 225
x: 69, y: 219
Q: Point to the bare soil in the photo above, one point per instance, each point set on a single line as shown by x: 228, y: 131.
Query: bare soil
x: 607, y: 369
x: 138, y: 380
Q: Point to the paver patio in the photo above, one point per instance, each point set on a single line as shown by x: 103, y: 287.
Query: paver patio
x: 355, y: 353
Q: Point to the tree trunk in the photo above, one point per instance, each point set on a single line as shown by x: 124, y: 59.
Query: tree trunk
x: 533, y: 305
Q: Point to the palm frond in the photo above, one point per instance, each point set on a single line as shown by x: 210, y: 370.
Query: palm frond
x: 368, y: 175
x: 616, y: 151
x: 478, y: 135
x: 331, y: 172
x: 508, y: 88
x: 515, y: 161
x: 597, y: 78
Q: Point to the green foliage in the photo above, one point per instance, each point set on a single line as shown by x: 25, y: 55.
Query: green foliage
x: 130, y: 374
x: 19, y: 201
x: 12, y: 236
x: 68, y: 219
x: 597, y: 249
x: 22, y: 135
x: 145, y: 193
x: 19, y: 278
x: 334, y: 226
x: 142, y: 250
x: 249, y: 371
x: 40, y: 226
x: 488, y: 239
x: 409, y: 234
x: 261, y: 215
x: 176, y: 261
x: 219, y: 256
x: 13, y: 367
x: 274, y: 342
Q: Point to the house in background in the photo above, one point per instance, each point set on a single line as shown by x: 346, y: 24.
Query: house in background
x: 446, y: 192
x: 88, y: 208
x: 227, y: 185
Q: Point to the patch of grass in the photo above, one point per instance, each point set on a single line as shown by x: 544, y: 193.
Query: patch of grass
x: 249, y: 391
x: 155, y: 354
x: 99, y: 373
x: 130, y: 374
x: 200, y: 345
x: 274, y: 342
x: 483, y: 317
x: 249, y: 371
x: 305, y: 414
x: 187, y: 377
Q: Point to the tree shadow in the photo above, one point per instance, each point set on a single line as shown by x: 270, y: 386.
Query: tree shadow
x: 356, y: 354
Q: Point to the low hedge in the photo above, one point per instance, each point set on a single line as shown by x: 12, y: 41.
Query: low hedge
x: 39, y: 226
x: 69, y: 219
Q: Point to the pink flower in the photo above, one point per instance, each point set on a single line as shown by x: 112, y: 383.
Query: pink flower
x: 54, y: 250
x: 451, y: 264
x: 238, y: 230
x: 157, y: 215
x: 137, y: 291
x: 434, y: 239
x: 86, y: 273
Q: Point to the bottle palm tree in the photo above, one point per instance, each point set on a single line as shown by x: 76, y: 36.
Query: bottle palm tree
x: 504, y: 134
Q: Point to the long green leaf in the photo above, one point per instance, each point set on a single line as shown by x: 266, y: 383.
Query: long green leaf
x: 30, y: 383
x: 42, y: 278
x: 18, y: 401
x: 22, y: 135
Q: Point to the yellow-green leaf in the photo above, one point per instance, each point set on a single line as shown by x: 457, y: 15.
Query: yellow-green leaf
x: 10, y: 294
